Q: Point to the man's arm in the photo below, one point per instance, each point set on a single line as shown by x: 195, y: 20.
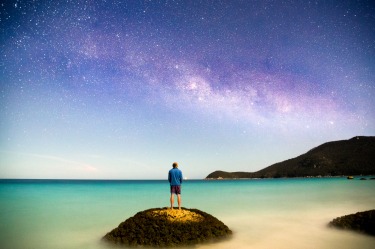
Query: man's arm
x: 169, y: 177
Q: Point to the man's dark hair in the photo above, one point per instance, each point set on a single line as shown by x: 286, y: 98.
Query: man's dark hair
x: 175, y: 165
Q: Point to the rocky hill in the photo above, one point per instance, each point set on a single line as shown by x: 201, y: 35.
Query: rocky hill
x: 355, y: 156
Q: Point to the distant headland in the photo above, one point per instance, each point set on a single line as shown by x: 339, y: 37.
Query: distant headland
x: 355, y: 156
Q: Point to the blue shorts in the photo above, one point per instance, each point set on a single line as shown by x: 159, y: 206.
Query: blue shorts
x: 176, y: 189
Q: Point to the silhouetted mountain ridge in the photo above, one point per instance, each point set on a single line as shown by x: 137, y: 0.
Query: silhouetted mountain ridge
x: 355, y: 156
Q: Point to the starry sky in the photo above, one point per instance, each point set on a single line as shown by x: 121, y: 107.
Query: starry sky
x: 121, y: 89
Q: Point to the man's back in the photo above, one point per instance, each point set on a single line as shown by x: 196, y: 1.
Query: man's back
x: 175, y: 177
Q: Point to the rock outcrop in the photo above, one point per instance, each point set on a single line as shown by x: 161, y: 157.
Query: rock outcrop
x: 164, y: 227
x: 361, y: 222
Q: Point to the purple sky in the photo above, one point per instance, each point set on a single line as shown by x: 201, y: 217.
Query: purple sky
x: 121, y: 89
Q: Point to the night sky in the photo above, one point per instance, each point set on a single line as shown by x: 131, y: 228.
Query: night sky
x: 122, y: 89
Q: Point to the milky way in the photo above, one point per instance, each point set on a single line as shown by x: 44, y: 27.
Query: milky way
x: 114, y: 89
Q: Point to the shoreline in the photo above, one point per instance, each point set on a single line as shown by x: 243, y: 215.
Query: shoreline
x: 368, y: 177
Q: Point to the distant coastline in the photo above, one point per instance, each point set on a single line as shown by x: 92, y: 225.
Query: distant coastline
x: 353, y: 157
x: 355, y: 177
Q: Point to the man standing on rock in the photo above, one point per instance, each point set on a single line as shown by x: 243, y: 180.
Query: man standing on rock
x: 175, y: 180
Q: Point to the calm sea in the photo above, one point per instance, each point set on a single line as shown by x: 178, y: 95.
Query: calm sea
x: 269, y: 213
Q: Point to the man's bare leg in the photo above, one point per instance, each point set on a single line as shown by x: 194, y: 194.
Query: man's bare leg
x: 172, y: 201
x: 179, y: 201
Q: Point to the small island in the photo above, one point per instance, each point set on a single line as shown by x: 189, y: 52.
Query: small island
x: 165, y: 227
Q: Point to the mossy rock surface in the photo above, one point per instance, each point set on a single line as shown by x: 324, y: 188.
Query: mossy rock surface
x: 164, y: 227
x: 363, y: 222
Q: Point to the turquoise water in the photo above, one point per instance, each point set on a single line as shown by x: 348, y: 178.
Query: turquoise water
x: 269, y: 213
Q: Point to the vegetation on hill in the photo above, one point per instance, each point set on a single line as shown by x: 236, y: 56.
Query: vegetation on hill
x: 355, y: 156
